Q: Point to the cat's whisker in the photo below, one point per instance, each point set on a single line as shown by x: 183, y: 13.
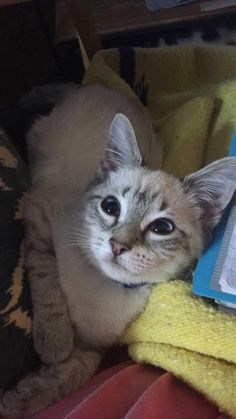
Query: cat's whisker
x: 74, y: 239
x: 81, y: 262
x: 80, y: 242
x: 78, y: 236
x: 80, y: 245
x: 75, y: 229
x: 72, y: 226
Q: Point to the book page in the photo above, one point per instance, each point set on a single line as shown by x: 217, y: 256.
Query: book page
x: 227, y: 279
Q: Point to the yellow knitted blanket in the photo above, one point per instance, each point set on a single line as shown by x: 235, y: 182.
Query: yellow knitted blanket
x: 190, y: 95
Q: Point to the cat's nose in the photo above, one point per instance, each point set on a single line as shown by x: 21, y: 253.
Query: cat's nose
x: 117, y: 247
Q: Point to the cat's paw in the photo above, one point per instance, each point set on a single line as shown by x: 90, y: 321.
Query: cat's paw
x: 10, y: 407
x: 53, y: 342
x: 37, y: 391
x: 17, y: 404
x: 32, y: 394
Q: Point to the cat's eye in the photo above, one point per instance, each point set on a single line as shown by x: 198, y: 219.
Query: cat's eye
x: 162, y: 226
x: 111, y: 206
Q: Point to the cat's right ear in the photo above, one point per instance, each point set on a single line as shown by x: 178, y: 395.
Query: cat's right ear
x: 210, y: 190
x: 122, y: 149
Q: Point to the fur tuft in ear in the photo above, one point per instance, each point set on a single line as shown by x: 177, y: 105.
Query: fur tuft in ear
x: 122, y: 148
x: 211, y: 189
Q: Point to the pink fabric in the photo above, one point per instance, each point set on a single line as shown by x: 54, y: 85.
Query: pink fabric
x: 133, y: 391
x: 169, y: 398
x: 114, y: 398
x: 61, y: 409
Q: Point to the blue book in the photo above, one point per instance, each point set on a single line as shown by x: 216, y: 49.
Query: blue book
x: 215, y: 273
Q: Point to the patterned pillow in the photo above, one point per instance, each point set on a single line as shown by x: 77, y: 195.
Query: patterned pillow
x: 17, y: 356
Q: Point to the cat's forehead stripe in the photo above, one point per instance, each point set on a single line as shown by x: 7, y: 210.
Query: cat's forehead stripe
x: 163, y: 205
x: 146, y: 195
x: 143, y: 197
x: 125, y: 191
x: 137, y: 191
x: 154, y: 196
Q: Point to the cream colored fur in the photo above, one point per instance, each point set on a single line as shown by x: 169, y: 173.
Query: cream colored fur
x: 89, y: 148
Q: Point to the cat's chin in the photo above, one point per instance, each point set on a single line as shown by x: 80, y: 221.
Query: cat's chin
x: 116, y: 272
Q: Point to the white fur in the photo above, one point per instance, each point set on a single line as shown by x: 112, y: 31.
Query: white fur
x: 67, y: 148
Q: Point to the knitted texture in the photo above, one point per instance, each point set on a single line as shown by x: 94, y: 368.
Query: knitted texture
x: 185, y: 334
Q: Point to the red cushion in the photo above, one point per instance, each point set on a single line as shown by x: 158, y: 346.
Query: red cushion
x: 133, y: 391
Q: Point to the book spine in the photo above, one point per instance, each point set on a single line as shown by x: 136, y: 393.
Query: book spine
x: 225, y: 242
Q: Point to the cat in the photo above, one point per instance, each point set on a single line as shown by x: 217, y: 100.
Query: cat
x: 95, y: 244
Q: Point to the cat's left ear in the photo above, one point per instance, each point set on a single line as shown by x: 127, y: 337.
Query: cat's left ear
x: 210, y: 190
x: 122, y: 148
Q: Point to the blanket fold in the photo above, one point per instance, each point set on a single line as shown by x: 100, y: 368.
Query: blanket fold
x: 187, y: 335
x: 190, y: 95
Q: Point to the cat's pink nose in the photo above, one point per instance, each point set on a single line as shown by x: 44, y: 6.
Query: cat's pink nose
x: 117, y: 247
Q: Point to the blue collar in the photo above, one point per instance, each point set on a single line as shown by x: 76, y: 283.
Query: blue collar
x: 134, y: 285
x: 130, y: 286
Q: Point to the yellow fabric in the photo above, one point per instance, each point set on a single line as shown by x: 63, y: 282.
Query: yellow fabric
x: 191, y: 99
x: 201, y: 78
x: 182, y: 333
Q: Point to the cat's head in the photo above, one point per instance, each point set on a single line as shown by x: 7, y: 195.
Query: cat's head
x: 147, y: 226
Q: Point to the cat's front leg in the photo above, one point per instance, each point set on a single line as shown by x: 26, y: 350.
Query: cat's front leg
x: 52, y: 329
x: 40, y: 390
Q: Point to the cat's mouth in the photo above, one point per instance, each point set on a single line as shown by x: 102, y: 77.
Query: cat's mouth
x: 116, y: 263
x: 114, y: 269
